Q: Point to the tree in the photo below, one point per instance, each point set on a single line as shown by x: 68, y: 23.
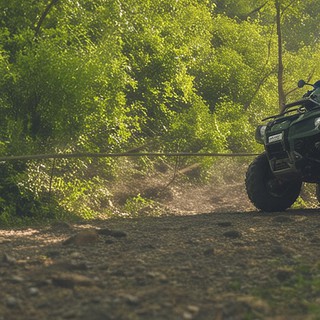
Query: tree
x: 282, y: 98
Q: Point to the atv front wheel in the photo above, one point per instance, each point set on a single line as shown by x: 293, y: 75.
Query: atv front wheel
x: 265, y: 191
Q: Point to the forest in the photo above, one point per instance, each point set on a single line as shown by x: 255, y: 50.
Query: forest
x: 158, y: 75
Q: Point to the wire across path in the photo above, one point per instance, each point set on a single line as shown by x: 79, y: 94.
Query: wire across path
x: 121, y: 154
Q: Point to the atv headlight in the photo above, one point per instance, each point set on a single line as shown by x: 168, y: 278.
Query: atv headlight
x: 317, y: 122
x: 261, y: 133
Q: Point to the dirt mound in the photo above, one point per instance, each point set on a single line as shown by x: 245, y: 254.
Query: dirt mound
x: 182, y: 191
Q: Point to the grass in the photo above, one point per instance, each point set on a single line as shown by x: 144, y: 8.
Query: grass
x: 296, y: 289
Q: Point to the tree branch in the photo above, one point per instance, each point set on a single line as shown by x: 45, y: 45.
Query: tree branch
x: 43, y: 16
x: 263, y: 79
x: 256, y: 9
x: 288, y: 6
x: 308, y: 80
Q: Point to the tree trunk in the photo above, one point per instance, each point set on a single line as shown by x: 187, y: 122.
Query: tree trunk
x: 281, y: 94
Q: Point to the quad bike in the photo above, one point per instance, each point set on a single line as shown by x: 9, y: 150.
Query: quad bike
x: 291, y: 141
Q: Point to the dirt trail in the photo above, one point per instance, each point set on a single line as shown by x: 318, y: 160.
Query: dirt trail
x: 231, y: 265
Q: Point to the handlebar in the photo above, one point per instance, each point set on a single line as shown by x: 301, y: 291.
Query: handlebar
x: 293, y: 104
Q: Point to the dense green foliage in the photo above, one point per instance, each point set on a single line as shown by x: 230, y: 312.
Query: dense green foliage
x: 111, y: 75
